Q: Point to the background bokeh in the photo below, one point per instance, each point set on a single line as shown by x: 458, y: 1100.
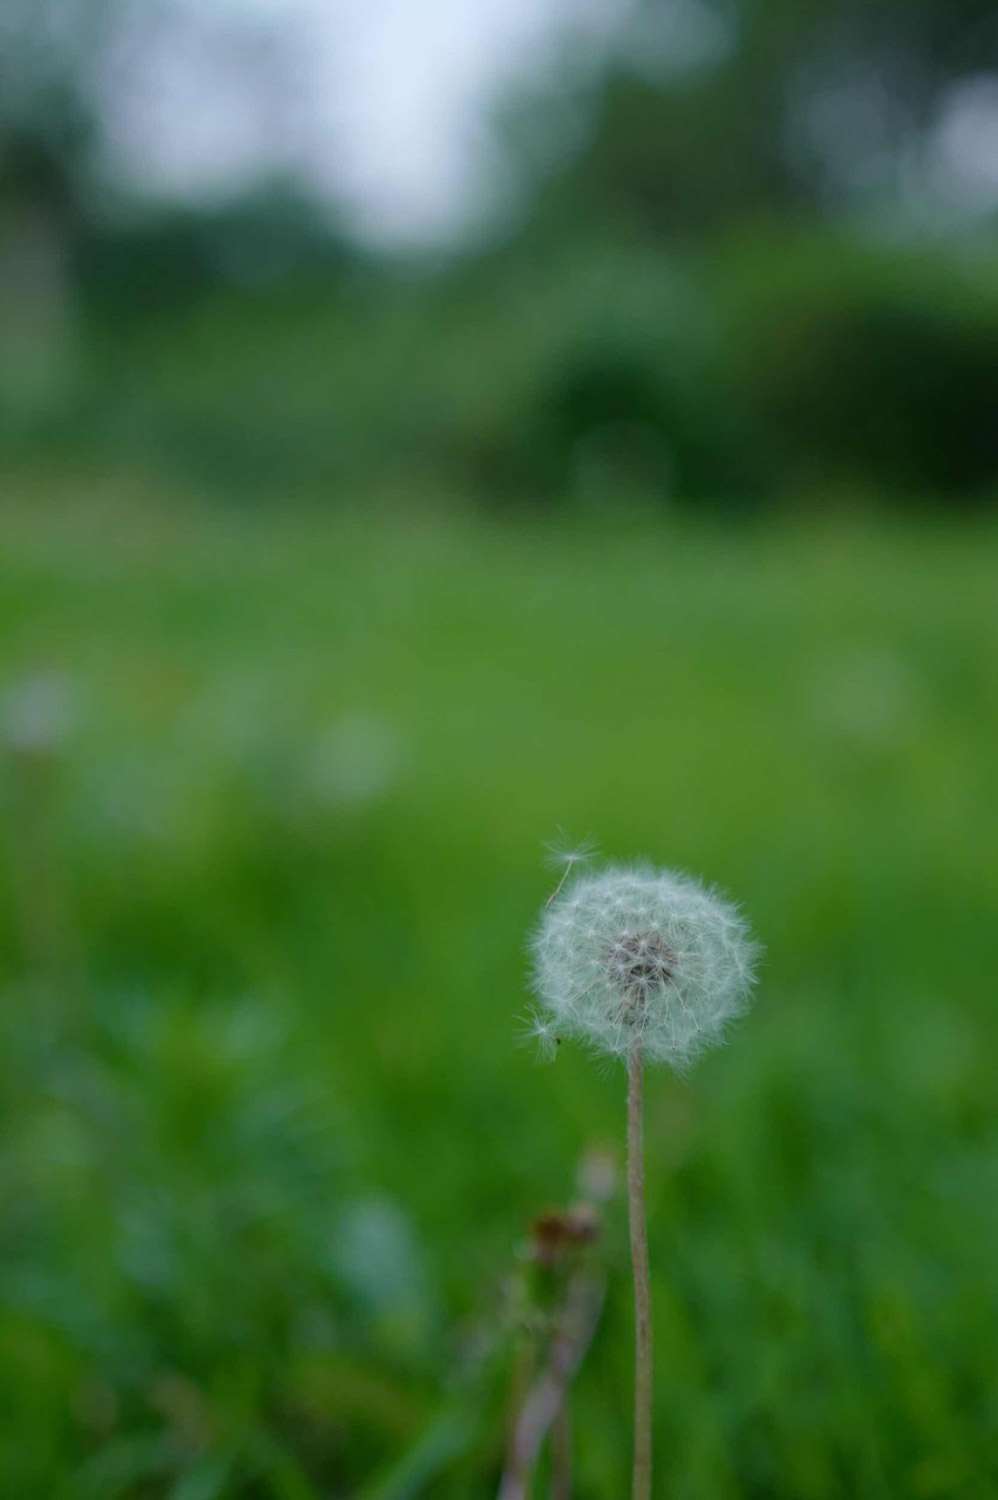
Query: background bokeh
x: 425, y: 428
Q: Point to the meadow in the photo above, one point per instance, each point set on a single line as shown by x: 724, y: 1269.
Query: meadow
x: 276, y: 790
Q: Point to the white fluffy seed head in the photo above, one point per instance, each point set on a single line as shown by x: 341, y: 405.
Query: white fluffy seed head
x: 633, y: 956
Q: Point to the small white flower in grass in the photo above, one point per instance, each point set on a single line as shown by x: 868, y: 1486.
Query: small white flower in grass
x: 36, y: 713
x: 633, y: 957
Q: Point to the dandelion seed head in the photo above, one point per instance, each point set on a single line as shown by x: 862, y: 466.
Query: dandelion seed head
x: 630, y: 955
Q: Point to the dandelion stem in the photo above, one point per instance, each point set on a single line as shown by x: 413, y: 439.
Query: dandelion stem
x: 564, y: 876
x: 641, y: 1488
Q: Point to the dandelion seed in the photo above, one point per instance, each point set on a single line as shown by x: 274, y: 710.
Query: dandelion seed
x: 540, y: 1031
x: 565, y: 856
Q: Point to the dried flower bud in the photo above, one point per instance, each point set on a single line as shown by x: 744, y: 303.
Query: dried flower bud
x: 555, y: 1234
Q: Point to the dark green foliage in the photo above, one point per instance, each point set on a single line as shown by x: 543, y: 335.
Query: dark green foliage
x: 607, y: 377
x: 872, y: 368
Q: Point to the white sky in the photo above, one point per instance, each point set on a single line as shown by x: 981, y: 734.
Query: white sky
x: 383, y: 105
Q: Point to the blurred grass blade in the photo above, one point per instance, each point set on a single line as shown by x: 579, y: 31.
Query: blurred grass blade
x: 451, y: 1435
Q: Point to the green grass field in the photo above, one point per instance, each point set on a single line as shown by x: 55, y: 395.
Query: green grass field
x: 269, y: 1143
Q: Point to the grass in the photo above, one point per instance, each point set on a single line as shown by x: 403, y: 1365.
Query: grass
x: 268, y: 1143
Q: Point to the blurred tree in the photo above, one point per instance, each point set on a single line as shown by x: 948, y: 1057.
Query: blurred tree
x: 717, y: 111
x: 69, y: 225
x: 47, y: 131
x: 868, y: 367
x: 46, y: 114
x: 602, y: 351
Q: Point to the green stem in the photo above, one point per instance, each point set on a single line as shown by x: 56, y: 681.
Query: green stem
x: 641, y: 1489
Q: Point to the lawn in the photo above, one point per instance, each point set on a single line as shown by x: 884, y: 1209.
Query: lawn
x: 276, y: 790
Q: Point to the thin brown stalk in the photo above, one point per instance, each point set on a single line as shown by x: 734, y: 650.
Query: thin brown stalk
x: 641, y: 1486
x: 548, y: 1394
x: 561, y: 1452
x: 521, y: 1383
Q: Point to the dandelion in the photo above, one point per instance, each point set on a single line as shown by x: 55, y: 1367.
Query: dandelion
x: 631, y: 956
x: 641, y: 963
